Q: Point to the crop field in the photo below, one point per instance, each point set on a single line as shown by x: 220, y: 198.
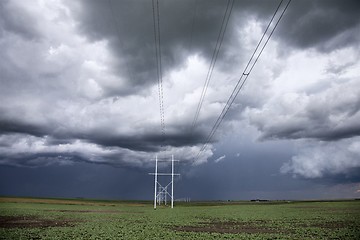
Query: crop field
x: 46, y: 218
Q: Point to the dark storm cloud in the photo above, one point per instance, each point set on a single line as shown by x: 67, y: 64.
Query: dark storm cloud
x: 149, y: 142
x: 94, y: 65
x: 187, y: 28
x: 128, y: 25
x: 303, y: 131
x: 351, y: 175
x: 321, y: 24
x: 16, y: 21
x: 50, y: 141
x: 41, y: 159
x: 14, y: 126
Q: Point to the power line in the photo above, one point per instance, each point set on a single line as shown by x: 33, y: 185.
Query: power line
x: 245, y: 73
x: 224, y: 24
x: 218, y: 44
x: 157, y: 39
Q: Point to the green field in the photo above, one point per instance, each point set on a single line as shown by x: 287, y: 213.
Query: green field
x: 46, y: 218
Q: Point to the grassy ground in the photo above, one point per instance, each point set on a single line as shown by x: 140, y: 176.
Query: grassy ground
x: 33, y: 218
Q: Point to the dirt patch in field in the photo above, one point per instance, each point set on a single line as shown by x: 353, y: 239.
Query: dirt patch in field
x: 306, y: 207
x: 34, y: 222
x: 92, y: 211
x: 226, y: 227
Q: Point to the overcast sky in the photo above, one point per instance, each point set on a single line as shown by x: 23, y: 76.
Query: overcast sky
x: 79, y: 100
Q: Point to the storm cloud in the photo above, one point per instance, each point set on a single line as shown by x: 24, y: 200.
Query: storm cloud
x: 78, y: 81
x: 322, y: 25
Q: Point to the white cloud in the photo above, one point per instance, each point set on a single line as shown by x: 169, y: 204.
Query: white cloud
x: 317, y: 108
x: 318, y: 159
x: 220, y: 159
x: 308, y: 102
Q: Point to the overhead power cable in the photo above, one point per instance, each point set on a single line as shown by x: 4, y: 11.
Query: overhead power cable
x: 243, y: 78
x: 157, y: 39
x: 224, y: 24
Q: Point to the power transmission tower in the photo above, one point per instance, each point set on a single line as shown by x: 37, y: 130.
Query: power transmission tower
x: 161, y: 192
